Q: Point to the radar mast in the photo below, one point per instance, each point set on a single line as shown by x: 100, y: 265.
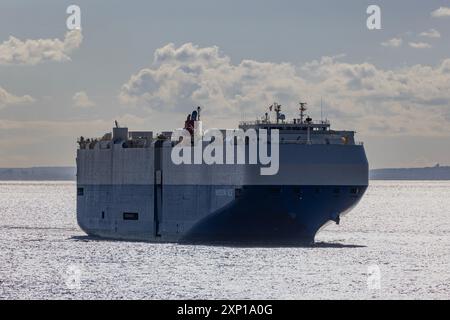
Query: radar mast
x: 277, y: 108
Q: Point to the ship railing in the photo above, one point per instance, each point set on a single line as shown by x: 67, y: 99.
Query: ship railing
x: 320, y: 142
x: 93, y: 143
x: 102, y: 144
x: 290, y: 122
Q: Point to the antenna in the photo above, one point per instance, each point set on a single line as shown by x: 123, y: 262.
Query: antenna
x: 321, y: 110
x: 277, y: 109
x: 116, y: 123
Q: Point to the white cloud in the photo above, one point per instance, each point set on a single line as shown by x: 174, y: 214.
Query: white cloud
x: 30, y: 52
x: 358, y: 96
x: 81, y: 99
x: 441, y: 12
x: 393, y: 43
x: 8, y: 99
x: 432, y: 33
x: 419, y: 45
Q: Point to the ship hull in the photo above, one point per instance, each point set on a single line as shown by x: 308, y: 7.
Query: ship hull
x: 276, y: 215
x: 257, y: 215
x: 140, y: 194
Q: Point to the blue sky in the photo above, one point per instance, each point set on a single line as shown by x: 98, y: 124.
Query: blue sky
x: 51, y: 102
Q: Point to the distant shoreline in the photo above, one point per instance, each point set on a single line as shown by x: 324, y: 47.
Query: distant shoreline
x: 38, y: 174
x: 437, y: 173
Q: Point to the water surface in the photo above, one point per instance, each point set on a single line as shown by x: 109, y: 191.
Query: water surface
x: 395, y: 244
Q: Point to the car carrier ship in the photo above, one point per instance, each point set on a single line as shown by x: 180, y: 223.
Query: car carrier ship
x: 129, y: 188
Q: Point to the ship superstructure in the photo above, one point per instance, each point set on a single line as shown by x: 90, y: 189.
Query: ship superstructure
x: 128, y: 187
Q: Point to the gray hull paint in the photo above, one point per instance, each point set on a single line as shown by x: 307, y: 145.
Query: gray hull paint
x: 181, y: 207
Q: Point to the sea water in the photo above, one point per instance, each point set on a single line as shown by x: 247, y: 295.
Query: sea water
x: 394, y: 245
